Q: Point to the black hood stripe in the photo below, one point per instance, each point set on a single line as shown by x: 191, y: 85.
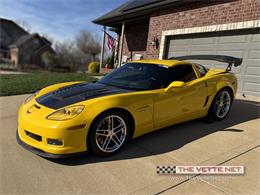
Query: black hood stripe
x: 72, y: 94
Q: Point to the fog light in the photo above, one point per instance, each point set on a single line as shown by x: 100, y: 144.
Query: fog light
x: 56, y: 142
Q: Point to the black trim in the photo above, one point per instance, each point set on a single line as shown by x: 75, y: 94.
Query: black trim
x: 220, y: 58
x: 207, y: 99
x: 43, y: 153
x: 76, y: 93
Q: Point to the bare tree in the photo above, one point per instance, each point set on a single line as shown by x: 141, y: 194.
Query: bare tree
x: 48, y: 37
x: 24, y: 25
x: 88, y: 44
x: 68, y: 55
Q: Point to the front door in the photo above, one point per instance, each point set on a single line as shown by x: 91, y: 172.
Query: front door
x: 180, y: 104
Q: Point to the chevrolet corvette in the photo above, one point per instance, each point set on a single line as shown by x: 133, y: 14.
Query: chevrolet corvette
x: 139, y: 97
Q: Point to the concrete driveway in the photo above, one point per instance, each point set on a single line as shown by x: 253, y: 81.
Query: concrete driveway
x: 234, y: 141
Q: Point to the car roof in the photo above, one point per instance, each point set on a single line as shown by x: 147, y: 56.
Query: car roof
x: 162, y: 62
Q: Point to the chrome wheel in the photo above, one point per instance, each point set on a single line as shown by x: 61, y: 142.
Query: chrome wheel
x: 223, y: 102
x: 110, y: 133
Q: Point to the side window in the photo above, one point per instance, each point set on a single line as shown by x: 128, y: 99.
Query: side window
x: 183, y: 73
x: 202, y: 70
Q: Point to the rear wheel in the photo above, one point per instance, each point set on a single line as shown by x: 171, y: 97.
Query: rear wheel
x: 109, y: 133
x: 220, y: 106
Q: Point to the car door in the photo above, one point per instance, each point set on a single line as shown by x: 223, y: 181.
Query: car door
x: 180, y: 104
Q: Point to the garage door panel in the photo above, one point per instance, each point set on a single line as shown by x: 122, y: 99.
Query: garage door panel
x: 233, y: 39
x: 253, y: 71
x: 198, y: 52
x: 180, y: 47
x: 230, y: 46
x: 201, y: 47
x: 254, y: 54
x: 246, y: 45
x: 235, y: 53
x: 182, y: 42
x: 177, y: 53
x: 204, y: 41
x: 252, y: 62
x: 252, y: 87
x: 255, y: 38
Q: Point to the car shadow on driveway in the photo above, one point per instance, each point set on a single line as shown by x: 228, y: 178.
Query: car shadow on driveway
x: 173, y: 137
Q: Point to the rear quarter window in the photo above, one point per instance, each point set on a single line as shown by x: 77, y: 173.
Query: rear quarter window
x: 201, y: 69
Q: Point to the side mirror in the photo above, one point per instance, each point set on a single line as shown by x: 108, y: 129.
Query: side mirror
x: 175, y: 84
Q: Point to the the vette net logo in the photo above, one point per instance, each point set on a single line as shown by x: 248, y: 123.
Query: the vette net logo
x: 200, y: 170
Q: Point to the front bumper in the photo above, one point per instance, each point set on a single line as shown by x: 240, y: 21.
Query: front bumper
x: 35, y: 132
x: 43, y: 153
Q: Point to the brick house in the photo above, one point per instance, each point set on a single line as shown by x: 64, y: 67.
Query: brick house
x: 166, y: 28
x: 20, y: 47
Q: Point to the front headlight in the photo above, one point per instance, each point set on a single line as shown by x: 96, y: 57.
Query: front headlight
x: 29, y: 98
x: 66, y: 113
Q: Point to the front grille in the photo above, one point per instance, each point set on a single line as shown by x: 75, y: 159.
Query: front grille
x: 33, y: 136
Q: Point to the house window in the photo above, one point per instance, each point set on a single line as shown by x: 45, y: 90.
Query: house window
x: 36, y: 42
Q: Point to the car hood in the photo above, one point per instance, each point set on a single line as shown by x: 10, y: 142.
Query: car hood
x: 72, y: 94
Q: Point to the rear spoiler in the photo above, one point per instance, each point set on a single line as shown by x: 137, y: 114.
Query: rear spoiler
x: 220, y: 58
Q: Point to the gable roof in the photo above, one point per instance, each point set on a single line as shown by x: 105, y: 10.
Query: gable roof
x: 136, y: 8
x: 25, y: 38
x: 22, y: 40
x: 11, y: 31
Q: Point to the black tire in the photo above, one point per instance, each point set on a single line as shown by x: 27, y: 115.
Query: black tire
x: 213, y: 110
x: 92, y: 142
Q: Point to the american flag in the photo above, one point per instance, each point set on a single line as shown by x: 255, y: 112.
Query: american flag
x: 110, y: 42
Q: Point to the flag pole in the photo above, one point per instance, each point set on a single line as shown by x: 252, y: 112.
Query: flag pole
x: 102, y: 48
x: 121, y: 44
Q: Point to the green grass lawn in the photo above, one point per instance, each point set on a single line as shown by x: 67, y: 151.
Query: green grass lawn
x: 29, y: 83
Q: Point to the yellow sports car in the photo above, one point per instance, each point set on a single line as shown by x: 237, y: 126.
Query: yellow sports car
x: 140, y: 97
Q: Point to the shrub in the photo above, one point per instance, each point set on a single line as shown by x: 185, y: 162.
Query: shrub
x: 49, y: 59
x: 93, y: 67
x: 110, y: 62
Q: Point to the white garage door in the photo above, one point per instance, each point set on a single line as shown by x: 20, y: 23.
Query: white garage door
x: 245, y: 44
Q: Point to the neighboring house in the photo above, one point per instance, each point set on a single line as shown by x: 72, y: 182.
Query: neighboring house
x: 22, y: 48
x: 9, y: 33
x: 167, y: 28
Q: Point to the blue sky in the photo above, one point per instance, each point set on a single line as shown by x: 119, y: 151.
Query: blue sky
x: 59, y: 19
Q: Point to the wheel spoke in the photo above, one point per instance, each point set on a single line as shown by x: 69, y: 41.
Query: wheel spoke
x: 102, y: 132
x: 111, y: 133
x: 226, y: 101
x: 106, y: 143
x: 115, y: 141
x: 218, y: 110
x: 118, y: 128
x: 110, y: 123
x: 223, y: 110
x: 222, y: 97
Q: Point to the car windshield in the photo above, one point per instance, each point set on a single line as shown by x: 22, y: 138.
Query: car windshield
x: 136, y: 76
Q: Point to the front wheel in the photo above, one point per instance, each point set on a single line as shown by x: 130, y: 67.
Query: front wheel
x: 220, y: 106
x: 109, y: 133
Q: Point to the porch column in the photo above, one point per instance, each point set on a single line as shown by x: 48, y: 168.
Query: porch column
x: 121, y: 44
x: 102, y: 48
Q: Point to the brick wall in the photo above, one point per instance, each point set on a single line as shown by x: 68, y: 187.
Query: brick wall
x: 198, y: 14
x: 14, y: 56
x: 135, y: 40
